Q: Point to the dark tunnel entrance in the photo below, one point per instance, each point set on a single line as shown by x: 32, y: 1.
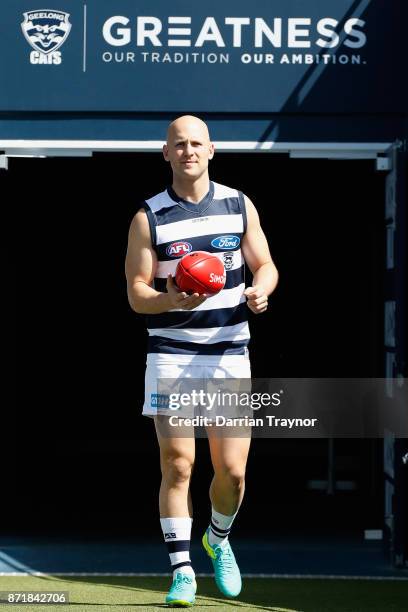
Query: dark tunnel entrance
x: 81, y: 351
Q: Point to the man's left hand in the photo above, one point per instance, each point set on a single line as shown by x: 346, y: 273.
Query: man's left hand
x: 257, y: 300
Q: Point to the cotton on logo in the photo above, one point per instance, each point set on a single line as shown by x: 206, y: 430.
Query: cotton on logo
x: 178, y: 249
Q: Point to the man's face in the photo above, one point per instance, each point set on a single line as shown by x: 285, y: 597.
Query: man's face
x: 188, y: 148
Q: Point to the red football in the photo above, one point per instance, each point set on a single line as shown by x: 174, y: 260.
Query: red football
x: 200, y: 272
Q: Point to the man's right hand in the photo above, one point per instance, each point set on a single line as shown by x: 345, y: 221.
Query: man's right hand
x: 180, y: 299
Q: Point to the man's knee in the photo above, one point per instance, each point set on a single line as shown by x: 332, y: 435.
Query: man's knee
x: 176, y: 469
x: 233, y: 474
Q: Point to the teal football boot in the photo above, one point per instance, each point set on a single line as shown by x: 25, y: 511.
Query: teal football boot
x: 226, y: 570
x: 182, y: 591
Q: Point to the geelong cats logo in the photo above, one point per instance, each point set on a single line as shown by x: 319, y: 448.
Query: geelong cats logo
x: 46, y: 30
x: 228, y: 259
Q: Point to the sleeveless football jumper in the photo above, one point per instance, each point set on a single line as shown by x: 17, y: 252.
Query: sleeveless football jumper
x: 219, y: 326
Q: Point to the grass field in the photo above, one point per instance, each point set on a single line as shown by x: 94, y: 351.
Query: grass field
x: 126, y: 594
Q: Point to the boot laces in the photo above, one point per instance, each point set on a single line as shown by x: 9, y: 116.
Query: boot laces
x: 182, y: 579
x: 225, y: 554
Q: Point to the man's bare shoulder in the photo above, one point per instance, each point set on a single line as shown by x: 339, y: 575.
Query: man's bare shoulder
x: 139, y: 227
x: 248, y: 202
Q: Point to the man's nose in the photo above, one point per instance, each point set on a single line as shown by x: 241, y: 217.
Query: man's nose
x: 189, y: 150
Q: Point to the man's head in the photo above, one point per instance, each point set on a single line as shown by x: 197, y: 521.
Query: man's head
x: 188, y: 147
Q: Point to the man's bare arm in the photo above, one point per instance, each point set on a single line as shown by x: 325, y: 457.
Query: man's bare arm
x: 256, y: 253
x: 140, y: 266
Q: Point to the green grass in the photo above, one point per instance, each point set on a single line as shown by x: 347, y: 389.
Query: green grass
x: 122, y: 594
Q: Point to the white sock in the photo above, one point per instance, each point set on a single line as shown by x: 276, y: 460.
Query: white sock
x: 177, y: 535
x: 220, y: 527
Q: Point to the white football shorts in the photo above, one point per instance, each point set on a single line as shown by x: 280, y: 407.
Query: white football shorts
x: 177, y: 367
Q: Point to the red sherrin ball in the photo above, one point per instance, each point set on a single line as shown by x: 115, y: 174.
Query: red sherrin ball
x: 200, y: 272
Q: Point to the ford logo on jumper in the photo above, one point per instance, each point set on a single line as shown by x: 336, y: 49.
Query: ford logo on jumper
x: 225, y: 242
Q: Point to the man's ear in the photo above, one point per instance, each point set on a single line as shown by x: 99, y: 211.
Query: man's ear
x: 165, y: 153
x: 212, y: 151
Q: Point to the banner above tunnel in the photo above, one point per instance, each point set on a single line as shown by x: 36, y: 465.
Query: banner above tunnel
x: 317, y: 56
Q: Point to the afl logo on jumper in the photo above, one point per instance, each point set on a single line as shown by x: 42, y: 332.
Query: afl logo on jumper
x: 46, y: 30
x: 225, y: 242
x: 178, y: 249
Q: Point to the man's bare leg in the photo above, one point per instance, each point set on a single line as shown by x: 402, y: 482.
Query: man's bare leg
x: 176, y: 461
x: 229, y: 458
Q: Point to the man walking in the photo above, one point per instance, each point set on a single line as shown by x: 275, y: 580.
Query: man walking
x: 192, y: 336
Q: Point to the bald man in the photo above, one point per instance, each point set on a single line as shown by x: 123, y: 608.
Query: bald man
x: 195, y: 336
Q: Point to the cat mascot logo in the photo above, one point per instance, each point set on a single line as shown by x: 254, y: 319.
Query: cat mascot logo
x: 46, y: 31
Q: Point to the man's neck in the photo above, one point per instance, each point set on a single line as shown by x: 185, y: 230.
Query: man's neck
x: 192, y: 191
